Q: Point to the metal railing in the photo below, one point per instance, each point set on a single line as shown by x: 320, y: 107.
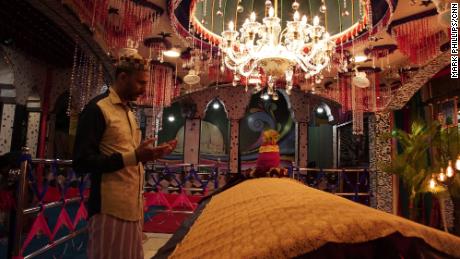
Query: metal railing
x: 178, y: 175
x: 350, y: 183
x: 25, y: 180
x: 347, y: 182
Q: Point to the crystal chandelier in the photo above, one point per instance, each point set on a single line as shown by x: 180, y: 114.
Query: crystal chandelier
x: 265, y: 47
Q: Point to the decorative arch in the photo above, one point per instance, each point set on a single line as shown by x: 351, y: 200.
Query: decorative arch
x: 303, y: 104
x: 211, y: 102
x: 235, y: 100
x: 214, y: 135
x: 327, y: 110
x: 407, y: 90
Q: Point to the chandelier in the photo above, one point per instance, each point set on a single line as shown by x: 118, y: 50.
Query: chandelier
x: 266, y: 48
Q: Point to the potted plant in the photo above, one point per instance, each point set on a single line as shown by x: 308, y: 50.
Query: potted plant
x: 412, y: 163
x: 421, y: 173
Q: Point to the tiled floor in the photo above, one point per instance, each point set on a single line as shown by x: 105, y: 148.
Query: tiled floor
x: 153, y: 243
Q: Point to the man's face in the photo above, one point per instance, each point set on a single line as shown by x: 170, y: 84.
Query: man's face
x: 134, y: 84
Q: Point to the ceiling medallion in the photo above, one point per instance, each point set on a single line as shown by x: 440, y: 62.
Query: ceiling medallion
x: 265, y: 48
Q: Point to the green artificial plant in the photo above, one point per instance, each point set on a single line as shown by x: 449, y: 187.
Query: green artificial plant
x: 416, y: 168
x: 412, y: 163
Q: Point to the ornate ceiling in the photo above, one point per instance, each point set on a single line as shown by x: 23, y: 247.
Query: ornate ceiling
x: 212, y: 16
x: 188, y: 24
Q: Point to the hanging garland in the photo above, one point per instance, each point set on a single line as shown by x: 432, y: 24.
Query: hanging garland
x: 419, y: 40
x: 86, y: 80
x: 118, y: 21
x: 160, y: 91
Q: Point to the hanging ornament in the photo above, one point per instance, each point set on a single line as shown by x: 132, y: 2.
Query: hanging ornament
x: 420, y: 39
x: 72, y: 80
x: 219, y: 11
x: 357, y: 110
x: 295, y: 5
x: 442, y: 176
x: 457, y: 163
x: 345, y: 11
x: 240, y: 8
x: 317, y: 80
x: 236, y: 79
x: 449, y: 170
x: 432, y: 183
x: 360, y: 80
x: 323, y: 7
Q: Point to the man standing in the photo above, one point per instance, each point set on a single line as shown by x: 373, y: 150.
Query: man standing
x: 108, y: 146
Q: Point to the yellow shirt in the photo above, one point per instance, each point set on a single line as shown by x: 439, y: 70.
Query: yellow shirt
x: 107, y: 136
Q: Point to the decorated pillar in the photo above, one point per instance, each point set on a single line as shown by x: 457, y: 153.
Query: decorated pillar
x: 192, y: 141
x: 381, y: 183
x: 6, y: 128
x: 8, y: 109
x: 33, y: 127
x: 33, y: 124
x: 234, y: 144
x: 302, y: 144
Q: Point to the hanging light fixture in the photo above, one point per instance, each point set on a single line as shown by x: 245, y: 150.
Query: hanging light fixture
x: 265, y: 97
x: 323, y: 7
x: 266, y: 47
x: 442, y: 176
x: 457, y: 163
x: 360, y: 58
x: 432, y: 183
x: 192, y: 77
x: 449, y: 170
x: 172, y: 53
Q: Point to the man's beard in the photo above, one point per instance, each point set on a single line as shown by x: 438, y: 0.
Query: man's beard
x: 133, y: 97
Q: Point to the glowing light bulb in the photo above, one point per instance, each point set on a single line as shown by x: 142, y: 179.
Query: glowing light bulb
x: 323, y: 8
x: 171, y: 118
x: 215, y: 106
x: 320, y: 110
x: 316, y: 21
x: 457, y: 163
x: 265, y: 97
x: 450, y: 170
x: 442, y: 176
x: 304, y: 19
x: 271, y: 12
x: 253, y: 17
x: 231, y: 26
x: 432, y: 183
x: 296, y: 16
